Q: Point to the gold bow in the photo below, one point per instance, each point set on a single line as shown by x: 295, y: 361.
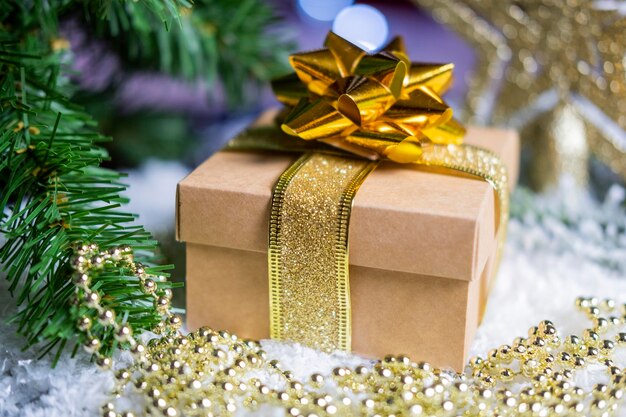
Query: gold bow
x: 378, y: 105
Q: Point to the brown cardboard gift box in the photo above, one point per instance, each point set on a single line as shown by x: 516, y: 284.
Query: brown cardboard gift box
x: 422, y: 250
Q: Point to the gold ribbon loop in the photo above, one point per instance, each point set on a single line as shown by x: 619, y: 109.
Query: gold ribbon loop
x: 316, y: 120
x: 346, y: 54
x: 317, y: 69
x: 289, y: 89
x: 385, y: 67
x: 438, y: 77
x: 364, y: 100
x: 419, y: 111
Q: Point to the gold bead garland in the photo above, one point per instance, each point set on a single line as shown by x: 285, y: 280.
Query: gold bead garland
x: 209, y: 373
x: 88, y: 263
x: 214, y: 373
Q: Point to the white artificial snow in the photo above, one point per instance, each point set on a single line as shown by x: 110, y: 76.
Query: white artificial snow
x: 560, y: 245
x: 152, y: 192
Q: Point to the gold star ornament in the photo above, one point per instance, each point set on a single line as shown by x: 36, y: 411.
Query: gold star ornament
x: 378, y: 106
x: 554, y: 69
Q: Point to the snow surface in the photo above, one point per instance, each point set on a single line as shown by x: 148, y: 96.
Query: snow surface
x: 560, y: 245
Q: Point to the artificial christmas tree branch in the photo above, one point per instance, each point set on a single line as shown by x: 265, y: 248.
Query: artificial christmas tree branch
x: 216, y: 40
x: 54, y: 196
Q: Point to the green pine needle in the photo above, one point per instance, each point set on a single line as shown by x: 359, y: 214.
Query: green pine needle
x: 54, y: 195
x: 215, y: 40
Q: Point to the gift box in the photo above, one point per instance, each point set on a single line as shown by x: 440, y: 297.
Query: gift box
x: 422, y: 250
x: 368, y: 224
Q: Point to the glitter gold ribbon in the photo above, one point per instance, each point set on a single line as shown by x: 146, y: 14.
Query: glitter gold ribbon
x: 308, y: 233
x: 308, y: 249
x: 342, y: 101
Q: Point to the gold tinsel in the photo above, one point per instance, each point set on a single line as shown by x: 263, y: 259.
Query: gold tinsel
x: 552, y: 68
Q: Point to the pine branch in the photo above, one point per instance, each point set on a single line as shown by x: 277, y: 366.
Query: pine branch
x: 54, y: 195
x: 215, y: 40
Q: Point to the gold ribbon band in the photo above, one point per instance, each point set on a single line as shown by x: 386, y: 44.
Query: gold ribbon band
x: 341, y: 99
x: 308, y: 250
x: 480, y: 163
x: 308, y: 232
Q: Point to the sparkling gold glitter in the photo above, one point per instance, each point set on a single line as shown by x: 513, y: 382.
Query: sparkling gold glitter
x: 482, y: 164
x: 537, y: 59
x: 463, y: 159
x: 308, y: 251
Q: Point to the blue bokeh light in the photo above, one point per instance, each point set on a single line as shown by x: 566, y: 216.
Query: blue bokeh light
x: 323, y: 10
x: 363, y: 25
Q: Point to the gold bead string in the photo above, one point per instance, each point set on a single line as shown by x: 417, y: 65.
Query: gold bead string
x: 214, y: 373
x: 88, y: 263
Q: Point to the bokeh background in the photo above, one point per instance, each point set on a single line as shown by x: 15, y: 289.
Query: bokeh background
x: 553, y: 69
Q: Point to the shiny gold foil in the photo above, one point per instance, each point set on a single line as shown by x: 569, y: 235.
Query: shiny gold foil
x: 349, y: 96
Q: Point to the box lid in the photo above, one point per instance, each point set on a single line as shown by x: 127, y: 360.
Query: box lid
x: 404, y: 218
